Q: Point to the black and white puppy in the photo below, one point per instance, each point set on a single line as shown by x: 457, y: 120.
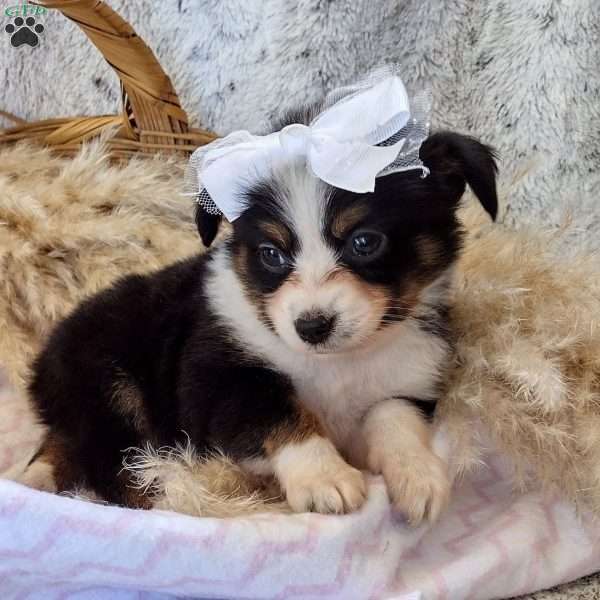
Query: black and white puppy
x: 310, y: 344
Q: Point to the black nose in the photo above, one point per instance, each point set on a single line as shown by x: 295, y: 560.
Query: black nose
x: 314, y: 329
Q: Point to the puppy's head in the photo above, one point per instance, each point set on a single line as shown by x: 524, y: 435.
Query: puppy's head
x: 330, y: 269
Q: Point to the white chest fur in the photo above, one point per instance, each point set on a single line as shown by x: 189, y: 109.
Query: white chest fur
x: 340, y: 388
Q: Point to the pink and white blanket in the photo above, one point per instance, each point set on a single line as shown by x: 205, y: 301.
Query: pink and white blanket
x: 490, y: 544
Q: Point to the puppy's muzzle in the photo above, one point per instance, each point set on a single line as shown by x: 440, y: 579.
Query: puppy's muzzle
x: 314, y: 329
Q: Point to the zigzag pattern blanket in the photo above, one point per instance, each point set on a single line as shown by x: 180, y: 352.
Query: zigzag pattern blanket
x: 490, y: 544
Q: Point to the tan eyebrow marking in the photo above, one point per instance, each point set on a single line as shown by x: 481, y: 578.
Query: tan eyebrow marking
x: 277, y: 232
x: 347, y: 218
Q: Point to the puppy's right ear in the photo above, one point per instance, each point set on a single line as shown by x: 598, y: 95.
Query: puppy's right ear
x: 207, y: 224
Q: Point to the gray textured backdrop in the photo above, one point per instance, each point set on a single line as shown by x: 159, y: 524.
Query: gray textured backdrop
x: 523, y: 75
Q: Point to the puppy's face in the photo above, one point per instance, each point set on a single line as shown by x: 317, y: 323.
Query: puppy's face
x: 329, y: 270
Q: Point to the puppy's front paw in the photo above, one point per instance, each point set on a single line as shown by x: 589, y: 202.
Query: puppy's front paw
x: 418, y: 488
x: 337, y: 490
x: 316, y: 478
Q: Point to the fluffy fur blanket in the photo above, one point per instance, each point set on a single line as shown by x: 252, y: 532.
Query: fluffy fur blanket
x: 525, y: 315
x: 522, y: 74
x: 525, y: 378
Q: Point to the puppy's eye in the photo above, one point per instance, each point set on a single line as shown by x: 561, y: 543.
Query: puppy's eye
x: 367, y: 244
x: 273, y: 258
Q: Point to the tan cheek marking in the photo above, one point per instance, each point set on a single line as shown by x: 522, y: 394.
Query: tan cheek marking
x: 274, y: 303
x: 240, y: 265
x: 347, y: 219
x: 240, y: 262
x: 430, y: 251
x: 410, y: 297
x: 377, y: 296
x: 297, y: 430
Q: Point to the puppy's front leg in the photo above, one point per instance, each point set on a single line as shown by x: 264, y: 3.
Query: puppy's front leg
x: 251, y: 414
x: 399, y: 447
x: 310, y: 470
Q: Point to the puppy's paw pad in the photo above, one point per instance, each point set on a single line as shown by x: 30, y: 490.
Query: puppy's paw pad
x: 339, y: 490
x: 420, y: 489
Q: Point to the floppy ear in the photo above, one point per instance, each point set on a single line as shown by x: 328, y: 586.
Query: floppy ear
x: 462, y: 159
x: 207, y: 224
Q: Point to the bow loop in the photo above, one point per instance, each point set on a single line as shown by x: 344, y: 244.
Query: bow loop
x: 359, y: 137
x: 372, y: 115
x: 295, y: 139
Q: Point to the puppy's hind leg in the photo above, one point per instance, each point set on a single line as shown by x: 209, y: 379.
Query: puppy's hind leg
x: 103, y: 451
x: 63, y: 464
x: 35, y: 474
x: 50, y: 468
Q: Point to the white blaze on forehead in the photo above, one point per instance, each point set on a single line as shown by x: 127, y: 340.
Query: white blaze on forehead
x: 304, y: 200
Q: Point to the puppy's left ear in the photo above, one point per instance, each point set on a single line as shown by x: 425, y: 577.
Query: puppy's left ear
x: 207, y: 224
x: 460, y: 159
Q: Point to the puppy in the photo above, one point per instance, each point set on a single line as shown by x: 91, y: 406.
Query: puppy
x: 310, y: 344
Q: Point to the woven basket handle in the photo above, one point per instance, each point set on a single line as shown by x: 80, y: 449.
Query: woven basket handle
x: 150, y: 102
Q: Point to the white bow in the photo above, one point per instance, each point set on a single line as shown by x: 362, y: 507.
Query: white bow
x: 339, y: 146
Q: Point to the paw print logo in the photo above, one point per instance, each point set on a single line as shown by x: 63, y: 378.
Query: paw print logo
x: 24, y: 31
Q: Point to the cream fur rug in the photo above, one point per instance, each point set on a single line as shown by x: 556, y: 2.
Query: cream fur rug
x: 526, y: 310
x: 528, y: 343
x: 70, y: 227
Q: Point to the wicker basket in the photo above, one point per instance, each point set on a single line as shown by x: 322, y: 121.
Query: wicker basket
x: 152, y: 119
